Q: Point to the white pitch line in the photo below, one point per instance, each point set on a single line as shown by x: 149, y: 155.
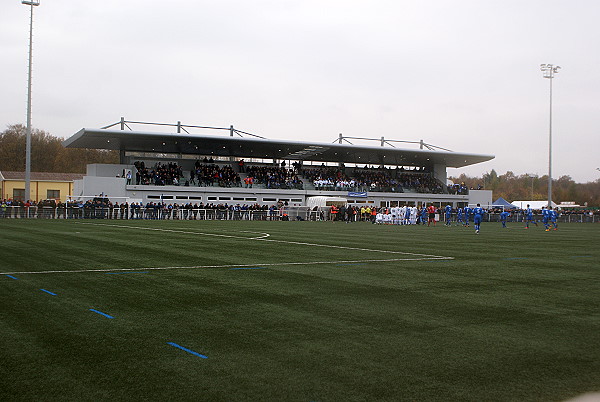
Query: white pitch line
x: 226, y: 266
x: 263, y: 238
x: 180, y: 231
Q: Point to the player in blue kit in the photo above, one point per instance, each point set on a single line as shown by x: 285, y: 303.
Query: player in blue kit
x: 553, y: 217
x: 424, y: 215
x: 467, y: 213
x: 407, y: 215
x: 477, y: 217
x: 459, y: 216
x: 503, y: 217
x: 546, y: 218
x: 448, y: 211
x: 529, y: 217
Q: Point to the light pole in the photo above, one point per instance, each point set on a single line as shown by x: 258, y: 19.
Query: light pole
x: 532, y: 176
x: 31, y: 4
x: 549, y: 70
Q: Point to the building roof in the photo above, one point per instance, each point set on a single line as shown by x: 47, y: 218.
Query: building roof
x: 41, y: 176
x: 252, y: 147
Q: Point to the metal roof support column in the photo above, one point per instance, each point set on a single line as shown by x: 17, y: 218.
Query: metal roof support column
x: 122, y: 123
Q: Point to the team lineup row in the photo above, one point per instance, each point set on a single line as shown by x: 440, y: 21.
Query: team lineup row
x: 407, y: 215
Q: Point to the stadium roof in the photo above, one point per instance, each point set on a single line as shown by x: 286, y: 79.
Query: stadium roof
x: 252, y: 147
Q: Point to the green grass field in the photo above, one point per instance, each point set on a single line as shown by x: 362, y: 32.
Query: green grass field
x: 297, y: 311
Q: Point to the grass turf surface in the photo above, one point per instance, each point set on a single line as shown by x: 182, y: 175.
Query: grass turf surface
x: 512, y: 315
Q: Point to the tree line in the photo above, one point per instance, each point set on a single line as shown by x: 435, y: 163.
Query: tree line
x: 47, y: 153
x: 523, y: 187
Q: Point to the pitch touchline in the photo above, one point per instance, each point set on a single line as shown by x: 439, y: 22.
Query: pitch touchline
x: 224, y: 266
x: 264, y: 238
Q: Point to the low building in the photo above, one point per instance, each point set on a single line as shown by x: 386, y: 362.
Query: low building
x: 44, y: 186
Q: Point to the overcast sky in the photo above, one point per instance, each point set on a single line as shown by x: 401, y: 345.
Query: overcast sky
x: 463, y: 75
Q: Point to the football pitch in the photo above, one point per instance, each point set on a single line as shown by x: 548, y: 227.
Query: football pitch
x: 297, y: 311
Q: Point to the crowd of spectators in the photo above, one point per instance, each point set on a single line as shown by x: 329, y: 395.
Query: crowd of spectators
x: 162, y: 210
x: 339, y: 178
x: 460, y: 189
x: 168, y: 174
x: 210, y: 174
x: 202, y: 174
x: 372, y: 179
x: 275, y: 177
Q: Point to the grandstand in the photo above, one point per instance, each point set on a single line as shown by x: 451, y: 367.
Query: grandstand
x: 178, y: 166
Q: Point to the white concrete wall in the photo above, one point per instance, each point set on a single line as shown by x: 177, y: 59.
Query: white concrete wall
x: 483, y: 197
x: 105, y: 170
x: 95, y: 186
x: 439, y: 172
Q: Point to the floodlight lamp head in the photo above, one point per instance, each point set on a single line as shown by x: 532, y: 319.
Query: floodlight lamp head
x: 31, y: 2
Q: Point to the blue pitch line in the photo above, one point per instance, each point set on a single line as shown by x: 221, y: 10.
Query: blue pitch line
x: 49, y: 292
x: 515, y: 258
x: 101, y: 313
x: 187, y: 350
x: 234, y: 269
x: 123, y: 273
x: 581, y: 256
x: 12, y: 277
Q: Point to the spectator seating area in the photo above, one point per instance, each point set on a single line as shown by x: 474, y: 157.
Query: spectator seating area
x: 205, y: 175
x: 209, y: 173
x: 373, y: 179
x: 160, y: 175
x: 275, y: 177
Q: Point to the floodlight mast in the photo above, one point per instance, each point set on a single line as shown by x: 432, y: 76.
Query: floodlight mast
x: 27, y: 195
x: 549, y: 70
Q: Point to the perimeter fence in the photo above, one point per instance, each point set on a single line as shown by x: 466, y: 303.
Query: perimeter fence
x: 115, y: 213
x: 284, y: 213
